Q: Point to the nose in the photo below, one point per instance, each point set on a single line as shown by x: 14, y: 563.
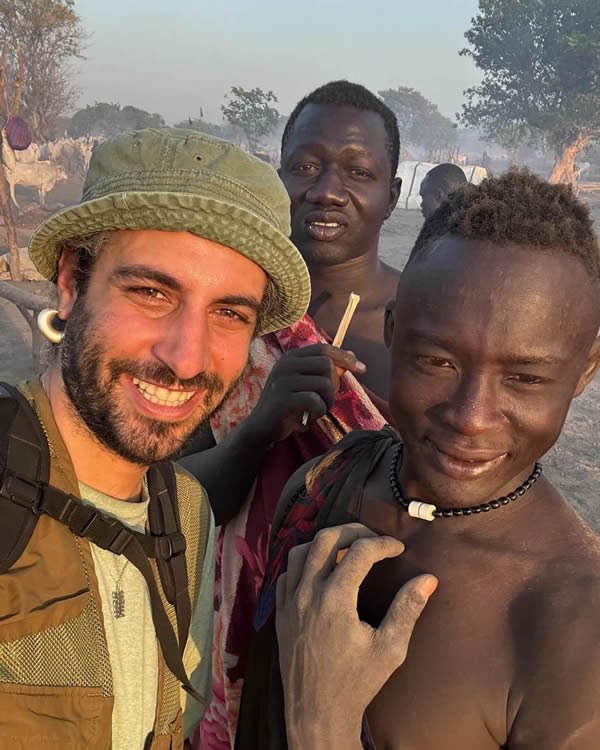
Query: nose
x: 184, y: 344
x: 328, y: 189
x: 474, y: 407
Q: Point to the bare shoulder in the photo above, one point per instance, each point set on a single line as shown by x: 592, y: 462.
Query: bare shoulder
x: 390, y: 275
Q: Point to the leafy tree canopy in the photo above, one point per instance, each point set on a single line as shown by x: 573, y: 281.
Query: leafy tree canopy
x: 251, y: 111
x: 50, y: 35
x: 419, y: 121
x: 106, y: 119
x: 540, y: 61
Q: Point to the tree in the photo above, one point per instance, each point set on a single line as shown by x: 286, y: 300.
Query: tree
x: 251, y: 112
x: 50, y: 34
x: 104, y: 119
x: 419, y: 121
x: 10, y: 106
x: 227, y: 132
x: 541, y: 75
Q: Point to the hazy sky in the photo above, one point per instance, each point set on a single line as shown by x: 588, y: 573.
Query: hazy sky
x: 176, y: 56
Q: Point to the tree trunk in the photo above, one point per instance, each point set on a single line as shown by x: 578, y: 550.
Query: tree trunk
x: 9, y: 224
x: 564, y: 168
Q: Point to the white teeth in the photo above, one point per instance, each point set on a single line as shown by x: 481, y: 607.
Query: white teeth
x: 162, y: 396
x: 324, y: 224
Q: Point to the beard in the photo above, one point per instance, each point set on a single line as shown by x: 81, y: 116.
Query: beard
x: 92, y: 385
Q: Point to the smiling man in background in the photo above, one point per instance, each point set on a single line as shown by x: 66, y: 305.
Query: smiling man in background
x: 339, y: 159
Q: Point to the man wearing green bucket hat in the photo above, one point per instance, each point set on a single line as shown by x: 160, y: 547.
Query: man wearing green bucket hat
x: 175, y: 259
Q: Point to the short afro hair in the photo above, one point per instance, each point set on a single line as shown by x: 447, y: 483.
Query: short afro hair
x: 346, y: 94
x: 516, y: 208
x: 444, y: 178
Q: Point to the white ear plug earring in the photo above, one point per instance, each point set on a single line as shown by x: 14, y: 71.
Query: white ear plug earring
x: 51, y: 325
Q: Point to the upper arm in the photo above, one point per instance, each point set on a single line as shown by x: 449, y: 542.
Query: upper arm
x: 560, y: 709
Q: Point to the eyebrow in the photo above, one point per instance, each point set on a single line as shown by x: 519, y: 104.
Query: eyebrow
x: 348, y: 149
x: 429, y: 338
x: 532, y: 360
x: 525, y: 360
x: 147, y: 273
x: 123, y: 273
x: 240, y: 301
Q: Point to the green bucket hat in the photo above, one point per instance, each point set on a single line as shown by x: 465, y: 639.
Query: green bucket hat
x: 180, y: 180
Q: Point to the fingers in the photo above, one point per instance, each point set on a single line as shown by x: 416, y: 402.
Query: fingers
x: 310, y: 402
x: 295, y: 567
x: 321, y: 558
x: 360, y: 558
x: 342, y: 359
x: 316, y: 384
x: 393, y: 635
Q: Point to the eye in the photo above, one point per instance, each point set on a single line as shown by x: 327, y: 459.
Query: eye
x: 233, y: 319
x: 525, y: 379
x: 147, y: 293
x: 228, y: 313
x: 438, y: 362
x: 360, y: 173
x: 304, y: 168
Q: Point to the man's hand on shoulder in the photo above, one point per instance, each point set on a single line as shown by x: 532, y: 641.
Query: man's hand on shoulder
x: 303, y: 380
x: 332, y: 663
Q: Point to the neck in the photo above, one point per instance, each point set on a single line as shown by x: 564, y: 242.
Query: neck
x: 357, y: 275
x: 94, y: 464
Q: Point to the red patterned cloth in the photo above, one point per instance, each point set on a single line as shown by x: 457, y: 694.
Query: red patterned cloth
x: 242, y: 545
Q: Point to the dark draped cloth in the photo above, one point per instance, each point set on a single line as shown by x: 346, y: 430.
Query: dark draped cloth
x: 327, y: 494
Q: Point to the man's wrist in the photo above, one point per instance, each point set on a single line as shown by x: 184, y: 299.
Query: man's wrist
x: 253, y: 431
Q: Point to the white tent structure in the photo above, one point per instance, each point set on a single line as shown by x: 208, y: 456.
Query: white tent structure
x: 413, y: 172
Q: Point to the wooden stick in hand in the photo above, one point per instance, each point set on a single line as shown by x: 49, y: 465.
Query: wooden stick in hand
x: 353, y: 301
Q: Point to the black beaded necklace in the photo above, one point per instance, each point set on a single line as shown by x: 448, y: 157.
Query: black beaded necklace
x: 428, y: 512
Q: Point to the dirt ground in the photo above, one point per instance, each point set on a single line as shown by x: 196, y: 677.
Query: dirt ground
x: 573, y: 464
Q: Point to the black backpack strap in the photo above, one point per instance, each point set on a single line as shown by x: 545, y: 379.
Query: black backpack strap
x: 24, y: 452
x: 163, y: 514
x: 110, y: 534
x: 25, y: 494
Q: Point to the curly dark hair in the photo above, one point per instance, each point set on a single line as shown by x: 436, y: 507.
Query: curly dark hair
x: 516, y: 208
x: 346, y: 94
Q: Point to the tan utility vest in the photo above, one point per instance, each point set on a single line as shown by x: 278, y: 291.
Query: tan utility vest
x: 56, y: 689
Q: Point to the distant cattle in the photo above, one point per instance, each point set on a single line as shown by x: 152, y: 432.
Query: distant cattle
x: 40, y: 174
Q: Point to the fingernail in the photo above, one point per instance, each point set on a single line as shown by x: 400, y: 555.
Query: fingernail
x: 428, y: 585
x: 360, y: 366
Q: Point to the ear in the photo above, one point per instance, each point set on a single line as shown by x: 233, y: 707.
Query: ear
x: 395, y: 189
x: 591, y: 368
x: 67, y: 285
x: 388, y: 322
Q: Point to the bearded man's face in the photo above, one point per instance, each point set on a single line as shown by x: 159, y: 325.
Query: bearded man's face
x: 157, y: 340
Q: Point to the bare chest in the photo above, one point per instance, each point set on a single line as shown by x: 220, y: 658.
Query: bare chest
x: 453, y: 690
x: 365, y: 339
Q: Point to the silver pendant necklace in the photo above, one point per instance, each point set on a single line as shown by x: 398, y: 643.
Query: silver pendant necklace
x: 117, y: 594
x: 118, y: 597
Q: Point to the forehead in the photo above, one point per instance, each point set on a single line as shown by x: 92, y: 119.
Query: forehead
x: 499, y: 299
x: 193, y: 262
x: 333, y: 128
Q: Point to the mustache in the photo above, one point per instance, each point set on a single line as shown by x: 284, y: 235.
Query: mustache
x: 159, y: 373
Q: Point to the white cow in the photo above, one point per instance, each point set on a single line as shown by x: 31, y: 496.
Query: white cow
x: 29, y: 155
x: 40, y: 174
